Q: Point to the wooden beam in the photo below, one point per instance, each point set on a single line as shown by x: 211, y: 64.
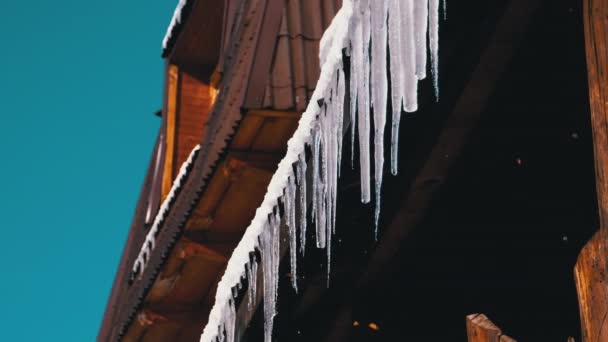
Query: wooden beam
x: 590, y: 276
x: 173, y: 76
x: 596, y: 41
x: 591, y: 270
x: 481, y: 329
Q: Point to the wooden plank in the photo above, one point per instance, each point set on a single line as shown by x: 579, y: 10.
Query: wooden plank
x: 260, y: 69
x: 194, y: 104
x: 481, y: 329
x: 592, y: 287
x: 172, y: 74
x: 591, y: 270
x: 596, y: 41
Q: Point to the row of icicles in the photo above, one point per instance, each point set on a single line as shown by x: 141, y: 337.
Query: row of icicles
x: 369, y: 31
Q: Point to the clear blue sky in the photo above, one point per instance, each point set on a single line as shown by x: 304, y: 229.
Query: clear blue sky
x: 79, y: 83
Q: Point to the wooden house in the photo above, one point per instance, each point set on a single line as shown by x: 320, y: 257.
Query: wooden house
x: 238, y: 76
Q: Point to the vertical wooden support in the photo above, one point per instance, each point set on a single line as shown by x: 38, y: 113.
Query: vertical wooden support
x: 481, y: 329
x: 173, y: 76
x: 596, y: 41
x: 592, y: 288
x: 591, y: 270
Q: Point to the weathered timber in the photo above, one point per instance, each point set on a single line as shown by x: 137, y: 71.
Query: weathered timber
x: 591, y: 270
x: 590, y: 276
x: 596, y: 42
x: 481, y: 329
x: 173, y: 78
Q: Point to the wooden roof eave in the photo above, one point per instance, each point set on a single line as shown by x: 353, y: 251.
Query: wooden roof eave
x: 189, y: 44
x: 221, y: 127
x: 133, y: 243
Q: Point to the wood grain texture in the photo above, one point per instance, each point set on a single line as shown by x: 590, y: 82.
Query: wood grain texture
x: 596, y: 41
x: 591, y: 270
x: 172, y: 89
x: 592, y: 287
x: 481, y: 329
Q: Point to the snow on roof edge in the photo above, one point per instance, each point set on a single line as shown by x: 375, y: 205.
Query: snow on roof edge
x: 332, y: 46
x: 149, y: 243
x: 175, y: 20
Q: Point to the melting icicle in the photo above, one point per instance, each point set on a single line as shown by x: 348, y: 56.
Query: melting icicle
x: 408, y: 56
x: 301, y: 169
x: 356, y: 51
x: 362, y: 64
x: 340, y: 114
x: 252, y: 273
x: 380, y: 88
x: 396, y: 70
x: 421, y: 13
x: 230, y: 321
x: 434, y: 43
x: 268, y: 285
x: 290, y: 214
x: 319, y: 185
x: 270, y: 262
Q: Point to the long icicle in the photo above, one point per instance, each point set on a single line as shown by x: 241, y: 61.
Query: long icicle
x: 301, y: 169
x: 434, y: 43
x: 421, y: 14
x: 290, y: 214
x: 363, y: 101
x: 397, y: 74
x: 380, y: 88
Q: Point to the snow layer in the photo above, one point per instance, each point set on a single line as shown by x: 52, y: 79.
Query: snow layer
x: 177, y: 19
x: 369, y: 31
x: 149, y: 242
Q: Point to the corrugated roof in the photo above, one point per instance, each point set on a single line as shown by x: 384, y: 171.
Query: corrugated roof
x: 295, y: 68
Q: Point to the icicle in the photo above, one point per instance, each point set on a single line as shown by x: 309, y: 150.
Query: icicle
x: 379, y: 88
x: 290, y: 215
x: 421, y: 13
x: 362, y: 64
x: 319, y: 184
x: 301, y: 170
x: 268, y: 283
x: 276, y: 255
x: 408, y: 52
x: 316, y: 150
x: 434, y: 43
x: 445, y: 9
x: 356, y: 56
x: 252, y: 272
x: 270, y: 259
x: 230, y: 321
x: 340, y: 90
x: 396, y: 70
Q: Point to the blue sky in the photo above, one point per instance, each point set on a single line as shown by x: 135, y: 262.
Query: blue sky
x: 79, y: 82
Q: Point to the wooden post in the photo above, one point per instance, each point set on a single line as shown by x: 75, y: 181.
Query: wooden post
x: 592, y: 288
x: 481, y: 329
x: 596, y: 41
x: 591, y: 270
